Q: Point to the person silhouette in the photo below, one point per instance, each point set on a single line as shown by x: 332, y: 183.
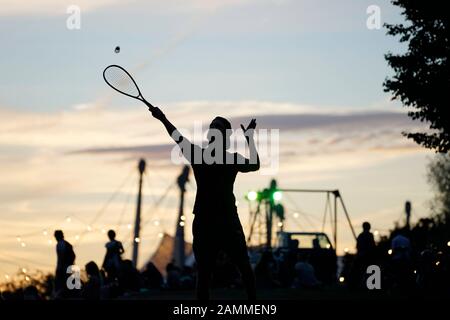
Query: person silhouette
x: 92, y: 288
x: 216, y: 226
x: 65, y: 258
x: 113, y: 259
x: 365, y: 244
x: 365, y: 256
x: 153, y: 279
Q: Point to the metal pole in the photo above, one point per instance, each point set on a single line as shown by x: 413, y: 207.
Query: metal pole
x: 348, y: 217
x: 335, y: 221
x: 268, y: 225
x: 137, y: 222
x: 252, y: 225
x: 408, y: 214
x: 178, y: 253
x: 307, y: 190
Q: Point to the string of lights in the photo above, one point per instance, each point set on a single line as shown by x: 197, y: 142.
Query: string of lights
x: 25, y: 240
x: 297, y: 210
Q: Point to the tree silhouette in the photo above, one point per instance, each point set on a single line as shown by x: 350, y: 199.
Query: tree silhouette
x: 439, y: 178
x: 422, y: 74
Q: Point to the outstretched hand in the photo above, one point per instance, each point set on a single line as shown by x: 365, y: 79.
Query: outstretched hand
x: 250, y: 128
x: 157, y: 113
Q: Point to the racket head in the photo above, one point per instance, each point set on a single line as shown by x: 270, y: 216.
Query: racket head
x: 120, y: 80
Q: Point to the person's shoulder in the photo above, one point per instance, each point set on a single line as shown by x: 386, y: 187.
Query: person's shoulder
x: 109, y: 244
x: 238, y: 158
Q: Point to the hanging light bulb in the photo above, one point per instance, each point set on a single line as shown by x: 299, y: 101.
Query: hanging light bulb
x: 252, y: 195
x: 181, y: 223
x: 89, y: 228
x: 183, y: 218
x: 18, y: 239
x: 23, y: 244
x: 45, y: 232
x: 24, y: 270
x: 129, y: 226
x: 137, y: 240
x: 69, y: 219
x: 160, y: 235
x: 156, y: 222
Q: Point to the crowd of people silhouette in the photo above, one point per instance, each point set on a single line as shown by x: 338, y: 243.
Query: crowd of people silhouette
x: 409, y: 266
x: 411, y: 261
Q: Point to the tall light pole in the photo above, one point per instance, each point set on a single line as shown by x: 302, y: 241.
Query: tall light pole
x: 137, y: 222
x: 178, y: 252
x: 408, y: 213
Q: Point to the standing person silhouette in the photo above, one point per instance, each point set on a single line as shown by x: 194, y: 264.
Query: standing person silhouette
x: 366, y: 255
x: 216, y: 225
x: 113, y: 256
x: 65, y: 258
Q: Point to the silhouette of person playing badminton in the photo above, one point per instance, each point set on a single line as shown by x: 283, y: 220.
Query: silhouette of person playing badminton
x: 216, y: 226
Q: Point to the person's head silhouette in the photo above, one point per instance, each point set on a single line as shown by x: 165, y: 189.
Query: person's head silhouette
x: 366, y: 226
x: 111, y: 235
x: 316, y: 243
x: 59, y: 235
x: 220, y: 128
x: 92, y: 269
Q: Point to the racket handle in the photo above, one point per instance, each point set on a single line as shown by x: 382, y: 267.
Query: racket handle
x: 149, y: 105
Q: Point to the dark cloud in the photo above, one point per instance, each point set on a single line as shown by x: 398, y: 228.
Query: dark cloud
x: 159, y: 151
x: 367, y: 126
x: 312, y: 121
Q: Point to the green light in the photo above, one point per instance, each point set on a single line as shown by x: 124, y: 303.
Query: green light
x: 277, y: 195
x: 252, y: 195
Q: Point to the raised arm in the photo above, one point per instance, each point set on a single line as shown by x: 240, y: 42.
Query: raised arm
x: 252, y: 164
x: 171, y: 129
x: 186, y: 146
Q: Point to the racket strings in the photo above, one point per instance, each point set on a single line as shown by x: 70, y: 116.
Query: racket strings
x: 121, y: 81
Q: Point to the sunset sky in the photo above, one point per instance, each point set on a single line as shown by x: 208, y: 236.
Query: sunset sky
x: 309, y: 68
